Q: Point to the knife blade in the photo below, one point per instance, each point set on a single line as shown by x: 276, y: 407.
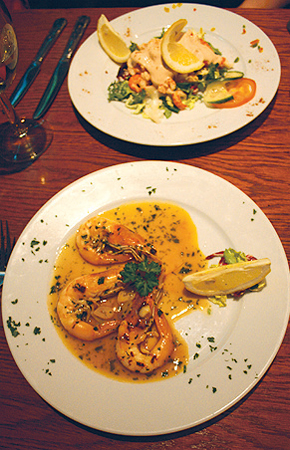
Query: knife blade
x: 62, y: 67
x: 34, y: 68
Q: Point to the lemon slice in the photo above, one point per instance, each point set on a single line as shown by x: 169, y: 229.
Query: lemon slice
x: 111, y: 41
x: 177, y: 57
x: 224, y: 280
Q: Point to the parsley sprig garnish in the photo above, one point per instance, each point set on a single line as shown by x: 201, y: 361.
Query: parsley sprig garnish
x: 142, y: 276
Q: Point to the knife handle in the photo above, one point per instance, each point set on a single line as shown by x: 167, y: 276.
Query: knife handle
x: 62, y: 67
x: 55, y: 31
x: 78, y: 31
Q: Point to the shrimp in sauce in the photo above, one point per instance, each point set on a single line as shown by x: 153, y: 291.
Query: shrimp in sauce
x: 103, y: 241
x: 99, y: 305
x: 145, y: 340
x: 85, y: 307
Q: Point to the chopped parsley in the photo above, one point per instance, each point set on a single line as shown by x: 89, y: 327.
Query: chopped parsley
x: 34, y: 243
x: 151, y: 190
x: 56, y: 287
x: 184, y: 270
x: 12, y: 325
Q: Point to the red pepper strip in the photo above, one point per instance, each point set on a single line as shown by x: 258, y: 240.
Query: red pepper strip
x: 214, y: 255
x: 255, y: 42
x: 251, y: 258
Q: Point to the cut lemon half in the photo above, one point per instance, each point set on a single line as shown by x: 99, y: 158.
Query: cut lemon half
x: 111, y: 41
x: 175, y: 55
x: 227, y: 279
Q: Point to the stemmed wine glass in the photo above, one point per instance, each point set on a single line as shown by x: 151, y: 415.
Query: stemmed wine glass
x: 22, y: 141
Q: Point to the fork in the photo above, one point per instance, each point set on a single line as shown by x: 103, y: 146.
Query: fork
x: 5, y: 249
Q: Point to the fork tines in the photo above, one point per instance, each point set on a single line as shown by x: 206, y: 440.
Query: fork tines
x: 5, y: 250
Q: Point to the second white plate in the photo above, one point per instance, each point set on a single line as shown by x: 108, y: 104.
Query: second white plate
x: 92, y: 71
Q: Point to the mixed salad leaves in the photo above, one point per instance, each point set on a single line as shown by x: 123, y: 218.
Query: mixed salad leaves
x: 214, y: 85
x: 120, y: 90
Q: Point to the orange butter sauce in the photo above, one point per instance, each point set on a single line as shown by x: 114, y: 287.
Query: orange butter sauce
x: 172, y: 232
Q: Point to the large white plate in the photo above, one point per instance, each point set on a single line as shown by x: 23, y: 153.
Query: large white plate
x: 247, y: 333
x: 92, y: 71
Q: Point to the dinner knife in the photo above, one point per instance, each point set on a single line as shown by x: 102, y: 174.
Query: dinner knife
x: 62, y: 67
x: 34, y: 68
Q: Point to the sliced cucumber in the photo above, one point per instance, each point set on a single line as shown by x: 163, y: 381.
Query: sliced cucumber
x: 233, y: 75
x: 216, y: 93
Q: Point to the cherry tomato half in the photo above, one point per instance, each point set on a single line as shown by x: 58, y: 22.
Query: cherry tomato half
x: 242, y: 89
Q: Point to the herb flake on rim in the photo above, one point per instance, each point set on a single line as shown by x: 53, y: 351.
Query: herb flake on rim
x: 13, y: 326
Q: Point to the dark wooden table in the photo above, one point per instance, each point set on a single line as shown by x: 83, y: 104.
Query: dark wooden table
x: 255, y: 159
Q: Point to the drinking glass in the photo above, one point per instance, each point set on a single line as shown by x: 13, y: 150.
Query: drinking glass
x: 22, y: 140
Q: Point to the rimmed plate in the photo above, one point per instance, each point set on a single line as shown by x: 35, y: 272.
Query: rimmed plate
x: 247, y: 333
x: 92, y: 71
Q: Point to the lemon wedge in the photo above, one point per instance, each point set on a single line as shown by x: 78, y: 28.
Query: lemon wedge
x: 227, y: 279
x: 111, y: 41
x: 175, y: 55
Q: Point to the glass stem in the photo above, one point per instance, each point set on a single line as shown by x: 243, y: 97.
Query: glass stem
x: 11, y: 114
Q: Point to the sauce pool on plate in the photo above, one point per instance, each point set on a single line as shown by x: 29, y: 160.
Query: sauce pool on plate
x: 170, y: 229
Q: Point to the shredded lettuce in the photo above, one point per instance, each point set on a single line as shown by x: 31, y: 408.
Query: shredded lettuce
x: 232, y: 256
x: 131, y: 104
x: 154, y: 106
x: 119, y: 91
x: 220, y: 300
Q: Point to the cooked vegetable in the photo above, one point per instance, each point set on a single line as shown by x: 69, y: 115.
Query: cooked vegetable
x: 229, y: 94
x: 216, y: 93
x: 233, y: 75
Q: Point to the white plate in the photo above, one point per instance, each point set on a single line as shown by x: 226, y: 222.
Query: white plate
x: 247, y: 333
x: 92, y: 71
